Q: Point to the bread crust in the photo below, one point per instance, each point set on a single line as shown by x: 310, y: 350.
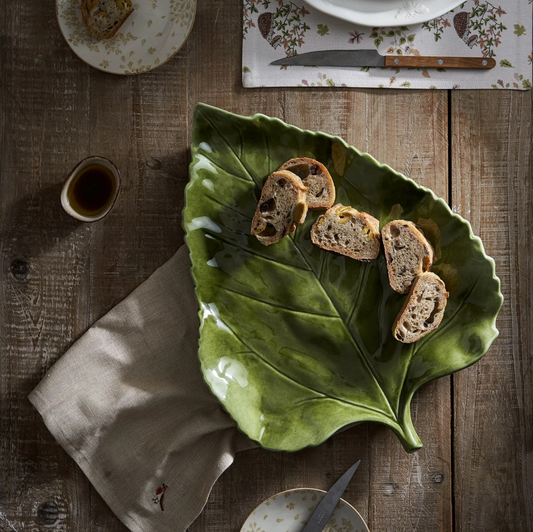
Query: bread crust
x: 297, y: 207
x: 317, y: 177
x: 94, y: 30
x: 399, y: 239
x: 372, y: 240
x: 407, y: 328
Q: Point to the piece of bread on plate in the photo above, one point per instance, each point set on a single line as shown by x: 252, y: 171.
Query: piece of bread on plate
x: 348, y: 232
x: 408, y: 253
x: 423, y: 309
x: 281, y: 207
x: 104, y: 17
x: 315, y: 176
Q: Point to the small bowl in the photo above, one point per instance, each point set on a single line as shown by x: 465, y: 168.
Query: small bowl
x: 70, y: 207
x: 289, y: 511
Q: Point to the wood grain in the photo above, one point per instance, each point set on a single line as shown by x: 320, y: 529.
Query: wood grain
x: 414, y: 61
x: 145, y: 132
x: 43, y: 253
x: 58, y: 276
x: 493, y: 403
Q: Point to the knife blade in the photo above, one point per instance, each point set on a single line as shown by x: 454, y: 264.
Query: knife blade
x: 327, y: 505
x: 371, y: 58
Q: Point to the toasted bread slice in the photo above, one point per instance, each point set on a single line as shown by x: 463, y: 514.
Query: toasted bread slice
x: 281, y: 207
x: 423, y: 309
x: 348, y: 232
x: 408, y: 253
x: 315, y: 176
x: 104, y: 17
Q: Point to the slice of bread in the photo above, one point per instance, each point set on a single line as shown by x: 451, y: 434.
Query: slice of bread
x: 104, y: 17
x: 408, y: 253
x: 281, y: 207
x: 348, y: 232
x: 423, y: 309
x: 315, y: 176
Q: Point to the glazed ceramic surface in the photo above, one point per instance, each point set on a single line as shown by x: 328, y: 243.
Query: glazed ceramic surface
x: 296, y: 341
x: 150, y: 36
x: 289, y: 511
x: 378, y: 13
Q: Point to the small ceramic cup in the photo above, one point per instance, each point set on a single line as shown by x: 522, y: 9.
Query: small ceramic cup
x: 87, y: 196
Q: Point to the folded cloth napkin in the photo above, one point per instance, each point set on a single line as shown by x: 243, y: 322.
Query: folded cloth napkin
x: 128, y: 402
x: 499, y: 29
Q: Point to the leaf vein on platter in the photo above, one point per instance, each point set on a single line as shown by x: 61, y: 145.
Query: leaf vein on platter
x: 289, y: 309
x: 220, y: 167
x: 268, y: 150
x: 246, y: 249
x: 323, y: 258
x: 355, y: 343
x: 366, y: 268
x: 241, y: 158
x: 232, y: 150
x: 377, y: 410
x: 346, y: 180
x: 326, y: 395
x: 358, y: 405
x: 229, y: 207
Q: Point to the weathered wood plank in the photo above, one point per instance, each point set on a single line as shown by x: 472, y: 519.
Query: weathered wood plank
x: 142, y: 126
x: 493, y: 404
x: 43, y: 254
x: 144, y: 131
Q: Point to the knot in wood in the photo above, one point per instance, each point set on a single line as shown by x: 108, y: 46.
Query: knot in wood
x: 389, y: 489
x: 438, y: 478
x: 154, y: 164
x: 48, y: 513
x: 19, y: 269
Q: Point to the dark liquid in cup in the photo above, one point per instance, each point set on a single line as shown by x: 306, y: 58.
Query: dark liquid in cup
x: 92, y: 190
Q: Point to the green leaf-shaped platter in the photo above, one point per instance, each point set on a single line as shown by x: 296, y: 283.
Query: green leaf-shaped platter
x: 296, y: 341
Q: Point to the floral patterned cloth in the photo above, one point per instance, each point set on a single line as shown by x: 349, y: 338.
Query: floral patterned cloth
x: 502, y: 30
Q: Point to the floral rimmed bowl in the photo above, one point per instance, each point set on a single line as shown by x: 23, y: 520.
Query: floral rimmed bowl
x: 150, y: 36
x: 385, y: 12
x: 289, y: 511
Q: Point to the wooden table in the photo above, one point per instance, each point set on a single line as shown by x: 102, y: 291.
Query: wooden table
x: 58, y: 276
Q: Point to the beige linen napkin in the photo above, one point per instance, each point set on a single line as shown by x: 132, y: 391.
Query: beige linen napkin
x: 128, y: 402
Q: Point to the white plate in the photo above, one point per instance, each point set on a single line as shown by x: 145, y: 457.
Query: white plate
x: 289, y: 511
x: 151, y: 35
x: 378, y: 13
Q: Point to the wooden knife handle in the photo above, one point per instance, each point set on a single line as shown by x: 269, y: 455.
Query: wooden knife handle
x: 398, y: 61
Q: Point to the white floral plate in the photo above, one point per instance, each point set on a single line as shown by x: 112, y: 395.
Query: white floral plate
x: 377, y: 13
x: 289, y: 511
x: 151, y: 35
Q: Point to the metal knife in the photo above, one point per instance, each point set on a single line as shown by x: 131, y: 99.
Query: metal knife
x: 323, y: 511
x: 371, y: 58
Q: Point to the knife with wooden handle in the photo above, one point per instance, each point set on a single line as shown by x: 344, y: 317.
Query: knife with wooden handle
x: 371, y: 58
x: 318, y: 520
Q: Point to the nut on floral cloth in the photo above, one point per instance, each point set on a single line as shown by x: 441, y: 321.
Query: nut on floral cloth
x: 273, y: 29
